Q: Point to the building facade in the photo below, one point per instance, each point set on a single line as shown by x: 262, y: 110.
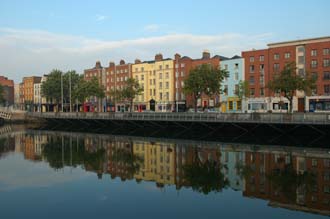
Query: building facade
x: 183, y: 66
x: 156, y: 77
x: 8, y: 90
x: 230, y: 102
x: 312, y: 56
x: 28, y: 91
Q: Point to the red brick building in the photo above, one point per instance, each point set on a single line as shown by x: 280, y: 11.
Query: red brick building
x: 8, y: 88
x: 183, y: 65
x: 312, y: 56
x: 111, y: 78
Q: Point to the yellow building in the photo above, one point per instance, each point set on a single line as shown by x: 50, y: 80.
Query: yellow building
x: 159, y: 162
x: 157, y: 79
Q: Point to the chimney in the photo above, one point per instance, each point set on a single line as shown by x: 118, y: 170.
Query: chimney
x: 111, y: 64
x: 177, y: 56
x: 158, y: 57
x: 137, y: 61
x: 206, y: 54
x: 122, y: 62
x: 98, y: 64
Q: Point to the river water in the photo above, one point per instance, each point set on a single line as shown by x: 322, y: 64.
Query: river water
x: 55, y: 174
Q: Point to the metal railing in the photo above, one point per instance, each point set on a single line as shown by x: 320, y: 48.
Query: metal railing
x: 274, y: 118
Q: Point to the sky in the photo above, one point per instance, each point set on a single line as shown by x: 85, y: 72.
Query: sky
x: 38, y: 36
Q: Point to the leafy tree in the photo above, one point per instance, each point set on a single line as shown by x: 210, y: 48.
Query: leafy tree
x: 131, y: 89
x: 204, y: 79
x: 287, y: 82
x: 2, y: 98
x: 243, y: 92
x: 51, y: 88
x: 206, y: 176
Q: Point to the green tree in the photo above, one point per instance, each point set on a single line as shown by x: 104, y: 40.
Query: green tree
x: 131, y: 89
x: 243, y: 92
x: 287, y: 82
x: 2, y: 98
x: 204, y: 79
x: 51, y: 88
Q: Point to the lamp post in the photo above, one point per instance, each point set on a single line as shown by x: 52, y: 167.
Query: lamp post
x: 62, y: 90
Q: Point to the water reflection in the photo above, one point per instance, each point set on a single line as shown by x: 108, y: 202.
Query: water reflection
x: 288, y: 177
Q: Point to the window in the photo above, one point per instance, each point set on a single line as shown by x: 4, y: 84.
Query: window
x: 251, y: 58
x: 262, y: 79
x: 182, y: 65
x: 326, y: 75
x: 301, y: 59
x: 314, y: 64
x: 136, y: 70
x: 150, y: 82
x: 314, y: 52
x: 230, y: 105
x: 327, y: 89
x: 160, y: 67
x: 276, y: 67
x: 226, y: 67
x: 301, y: 72
x: 167, y: 96
x: 251, y: 68
x: 326, y: 62
x: 251, y: 80
x: 160, y: 95
x: 301, y: 49
x: 252, y: 92
x: 287, y: 55
x: 314, y: 75
x: 236, y: 89
x: 166, y: 75
x: 262, y: 68
x: 160, y: 75
x: 182, y: 74
x: 326, y: 163
x: 154, y: 81
x: 326, y: 51
x: 154, y: 92
x: 276, y: 56
x: 167, y: 66
x: 160, y: 85
x: 236, y: 65
x: 142, y: 77
x: 261, y: 58
x: 150, y: 92
x: 262, y: 92
x: 167, y: 85
x: 177, y: 74
x: 236, y: 76
x: 142, y: 69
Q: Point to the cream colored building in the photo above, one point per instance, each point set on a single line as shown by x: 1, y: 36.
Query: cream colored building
x: 157, y: 80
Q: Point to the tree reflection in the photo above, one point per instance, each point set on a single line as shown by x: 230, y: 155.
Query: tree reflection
x: 205, y: 176
x: 59, y: 155
x: 291, y: 182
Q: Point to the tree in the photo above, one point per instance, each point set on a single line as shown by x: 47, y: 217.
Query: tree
x: 287, y: 82
x: 243, y: 92
x: 131, y: 89
x: 204, y: 79
x: 2, y: 98
x: 51, y: 88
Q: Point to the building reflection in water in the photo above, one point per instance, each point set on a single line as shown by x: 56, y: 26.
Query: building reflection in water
x: 288, y: 177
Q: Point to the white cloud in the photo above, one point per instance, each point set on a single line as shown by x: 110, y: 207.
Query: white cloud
x: 35, y: 52
x: 152, y: 28
x: 101, y: 17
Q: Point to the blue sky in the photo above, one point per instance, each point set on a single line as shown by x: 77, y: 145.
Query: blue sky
x: 42, y: 35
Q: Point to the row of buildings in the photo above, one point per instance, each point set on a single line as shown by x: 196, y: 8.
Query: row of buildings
x: 243, y: 169
x: 163, y: 80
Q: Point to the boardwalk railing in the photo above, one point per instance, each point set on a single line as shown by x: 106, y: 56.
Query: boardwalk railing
x: 273, y: 118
